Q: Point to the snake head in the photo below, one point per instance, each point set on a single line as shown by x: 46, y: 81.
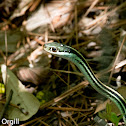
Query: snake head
x: 56, y: 48
x: 63, y: 51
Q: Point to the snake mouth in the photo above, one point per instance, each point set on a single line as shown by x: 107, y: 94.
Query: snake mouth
x: 44, y: 46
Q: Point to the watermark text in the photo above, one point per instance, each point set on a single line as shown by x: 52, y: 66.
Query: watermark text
x: 11, y: 122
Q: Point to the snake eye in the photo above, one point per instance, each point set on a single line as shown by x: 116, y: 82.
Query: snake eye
x: 53, y: 49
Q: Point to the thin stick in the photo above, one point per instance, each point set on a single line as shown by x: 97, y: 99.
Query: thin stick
x: 116, y: 59
x: 6, y: 55
x: 65, y: 94
x: 76, y: 26
x: 70, y: 109
x: 90, y: 8
x: 70, y: 72
x: 6, y: 104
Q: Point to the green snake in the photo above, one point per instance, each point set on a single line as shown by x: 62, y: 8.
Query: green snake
x: 69, y: 53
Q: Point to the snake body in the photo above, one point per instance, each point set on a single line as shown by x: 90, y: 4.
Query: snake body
x: 69, y: 53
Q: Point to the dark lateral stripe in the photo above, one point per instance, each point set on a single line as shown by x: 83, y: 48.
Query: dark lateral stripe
x: 99, y: 84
